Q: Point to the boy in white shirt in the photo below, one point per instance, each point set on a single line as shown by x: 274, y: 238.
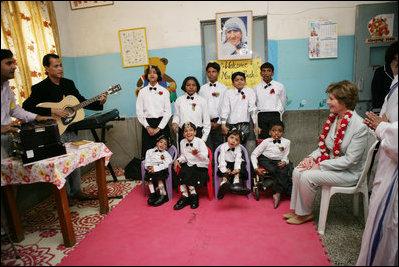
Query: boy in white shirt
x: 213, y: 92
x: 193, y: 163
x: 232, y: 166
x: 238, y: 107
x: 157, y: 161
x: 272, y: 154
x: 271, y: 98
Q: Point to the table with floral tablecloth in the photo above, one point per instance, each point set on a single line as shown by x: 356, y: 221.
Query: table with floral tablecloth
x: 54, y: 170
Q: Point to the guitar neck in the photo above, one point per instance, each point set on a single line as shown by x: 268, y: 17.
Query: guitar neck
x: 87, y: 102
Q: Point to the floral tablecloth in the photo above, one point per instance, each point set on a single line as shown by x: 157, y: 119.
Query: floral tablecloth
x: 52, y: 170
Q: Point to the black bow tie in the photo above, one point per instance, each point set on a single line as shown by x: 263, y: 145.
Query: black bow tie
x: 267, y: 85
x: 153, y: 88
x: 212, y: 84
x: 189, y: 144
x: 232, y: 149
x: 156, y: 150
x: 276, y: 141
x: 190, y: 97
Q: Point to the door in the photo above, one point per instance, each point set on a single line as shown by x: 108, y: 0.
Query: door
x: 369, y: 56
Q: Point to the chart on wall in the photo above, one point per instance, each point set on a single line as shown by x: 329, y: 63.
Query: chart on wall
x: 134, y: 49
x: 323, y: 39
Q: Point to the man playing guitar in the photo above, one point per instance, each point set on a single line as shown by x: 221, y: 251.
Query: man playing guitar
x: 53, y: 89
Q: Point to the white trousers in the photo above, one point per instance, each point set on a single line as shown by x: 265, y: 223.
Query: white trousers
x: 305, y: 184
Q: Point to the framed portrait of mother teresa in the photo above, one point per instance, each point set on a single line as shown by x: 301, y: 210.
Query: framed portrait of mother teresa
x: 234, y: 35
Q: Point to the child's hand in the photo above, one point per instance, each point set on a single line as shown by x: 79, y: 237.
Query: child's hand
x: 176, y: 165
x: 194, y: 151
x: 281, y: 164
x: 225, y: 130
x: 214, y: 125
x: 175, y: 127
x: 260, y: 171
x: 235, y: 172
x: 228, y: 171
x: 150, y: 169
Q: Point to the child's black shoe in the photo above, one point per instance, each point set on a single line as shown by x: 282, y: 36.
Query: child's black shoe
x: 161, y: 199
x: 152, y: 199
x: 239, y: 189
x: 194, y: 201
x: 183, y: 201
x: 223, y: 189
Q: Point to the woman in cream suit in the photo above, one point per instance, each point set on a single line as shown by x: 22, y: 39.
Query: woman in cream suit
x: 340, y: 157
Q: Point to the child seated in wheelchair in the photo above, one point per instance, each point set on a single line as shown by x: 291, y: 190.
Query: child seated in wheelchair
x: 193, y: 163
x: 231, y: 166
x: 272, y: 155
x: 157, y: 160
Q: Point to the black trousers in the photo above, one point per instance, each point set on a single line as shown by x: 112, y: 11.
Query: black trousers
x: 282, y: 182
x: 149, y: 141
x: 264, y: 121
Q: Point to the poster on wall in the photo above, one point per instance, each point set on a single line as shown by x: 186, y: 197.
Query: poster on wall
x: 134, y: 49
x: 86, y: 4
x: 234, y: 35
x: 250, y: 67
x: 380, y: 29
x: 323, y: 39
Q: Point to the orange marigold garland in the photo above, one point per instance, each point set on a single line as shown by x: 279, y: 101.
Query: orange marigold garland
x: 338, y: 139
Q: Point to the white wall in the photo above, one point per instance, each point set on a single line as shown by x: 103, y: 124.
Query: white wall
x: 94, y: 31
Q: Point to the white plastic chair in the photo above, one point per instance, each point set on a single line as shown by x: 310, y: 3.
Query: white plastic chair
x: 361, y: 187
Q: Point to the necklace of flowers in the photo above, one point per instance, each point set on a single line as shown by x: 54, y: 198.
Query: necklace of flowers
x: 338, y: 139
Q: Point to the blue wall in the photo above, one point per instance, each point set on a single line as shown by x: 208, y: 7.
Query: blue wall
x: 304, y: 79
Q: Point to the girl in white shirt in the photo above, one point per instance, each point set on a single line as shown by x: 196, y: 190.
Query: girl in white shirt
x: 193, y: 108
x: 153, y: 109
x: 231, y: 165
x: 157, y: 160
x: 193, y: 163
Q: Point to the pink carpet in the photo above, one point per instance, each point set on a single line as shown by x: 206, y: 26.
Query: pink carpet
x: 232, y: 231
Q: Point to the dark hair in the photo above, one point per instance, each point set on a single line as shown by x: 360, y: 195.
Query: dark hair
x: 267, y: 65
x: 214, y: 65
x: 167, y: 139
x: 183, y: 86
x: 46, y: 59
x: 345, y: 92
x: 391, y: 52
x: 276, y: 123
x: 156, y: 69
x: 235, y: 131
x: 189, y: 124
x: 238, y: 73
x: 5, y: 53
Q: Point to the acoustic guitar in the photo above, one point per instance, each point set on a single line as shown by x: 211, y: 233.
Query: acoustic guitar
x: 74, y: 108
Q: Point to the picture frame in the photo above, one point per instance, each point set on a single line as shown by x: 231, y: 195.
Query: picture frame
x: 234, y: 35
x: 86, y: 4
x: 134, y: 47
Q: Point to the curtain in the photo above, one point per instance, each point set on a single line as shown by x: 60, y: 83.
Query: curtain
x: 29, y: 29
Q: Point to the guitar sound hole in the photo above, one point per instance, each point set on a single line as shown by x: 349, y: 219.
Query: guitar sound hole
x: 69, y: 111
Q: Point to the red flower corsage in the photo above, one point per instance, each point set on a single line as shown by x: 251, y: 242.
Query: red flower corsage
x: 162, y: 157
x: 215, y: 94
x: 194, y: 106
x: 160, y: 93
x: 272, y: 91
x: 243, y: 96
x: 281, y: 148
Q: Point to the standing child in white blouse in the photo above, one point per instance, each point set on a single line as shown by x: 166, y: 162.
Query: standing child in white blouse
x: 232, y: 166
x: 193, y: 163
x: 157, y: 160
x: 153, y: 109
x: 273, y: 156
x: 238, y: 106
x: 271, y: 98
x: 213, y: 94
x: 191, y: 107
